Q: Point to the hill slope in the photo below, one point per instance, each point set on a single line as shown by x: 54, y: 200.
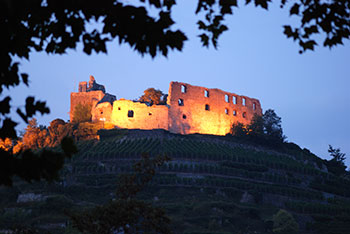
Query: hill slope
x: 212, y: 185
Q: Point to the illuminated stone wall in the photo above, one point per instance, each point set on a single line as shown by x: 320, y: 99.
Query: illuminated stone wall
x: 95, y: 96
x: 195, y: 109
x: 102, y: 112
x: 190, y: 109
x: 129, y: 114
x: 90, y: 98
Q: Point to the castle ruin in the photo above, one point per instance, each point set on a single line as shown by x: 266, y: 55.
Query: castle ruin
x: 189, y: 109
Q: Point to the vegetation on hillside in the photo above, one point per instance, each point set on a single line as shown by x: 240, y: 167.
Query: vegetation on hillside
x: 45, y: 25
x: 127, y: 214
x: 211, y: 184
x: 264, y: 129
x: 82, y: 113
x: 336, y: 164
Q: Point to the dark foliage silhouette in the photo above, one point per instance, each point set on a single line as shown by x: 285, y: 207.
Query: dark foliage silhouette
x: 56, y: 26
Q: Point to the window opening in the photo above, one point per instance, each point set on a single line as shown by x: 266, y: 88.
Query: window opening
x: 184, y: 116
x: 234, y: 112
x: 226, y: 98
x: 234, y: 100
x: 101, y: 112
x: 183, y: 89
x: 130, y: 113
x: 149, y: 113
x: 243, y: 101
x: 207, y: 107
x: 244, y: 115
x: 254, y: 106
x: 206, y: 93
x: 181, y: 102
x: 118, y: 108
x: 226, y: 111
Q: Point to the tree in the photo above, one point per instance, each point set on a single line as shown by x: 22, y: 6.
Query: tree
x: 82, y: 113
x: 239, y: 130
x: 153, y: 96
x: 126, y: 214
x: 265, y: 129
x: 256, y: 127
x: 56, y: 26
x: 336, y: 165
x: 284, y: 223
x: 34, y: 136
x: 273, y: 127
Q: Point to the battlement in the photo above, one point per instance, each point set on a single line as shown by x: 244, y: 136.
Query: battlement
x: 190, y: 109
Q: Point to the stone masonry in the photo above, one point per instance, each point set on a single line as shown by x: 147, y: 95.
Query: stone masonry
x: 189, y: 109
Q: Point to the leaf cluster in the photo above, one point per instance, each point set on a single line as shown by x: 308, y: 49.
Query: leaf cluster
x: 82, y: 113
x: 153, y: 97
x: 331, y: 18
x: 34, y: 166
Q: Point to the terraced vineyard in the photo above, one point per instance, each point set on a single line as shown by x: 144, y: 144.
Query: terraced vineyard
x: 212, y: 184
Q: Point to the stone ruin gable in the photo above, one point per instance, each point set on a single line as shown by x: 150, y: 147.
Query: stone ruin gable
x: 192, y: 112
x: 86, y: 98
x: 102, y: 112
x: 93, y: 95
x: 137, y: 115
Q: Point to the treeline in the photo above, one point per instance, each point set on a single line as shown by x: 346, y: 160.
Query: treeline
x: 39, y: 136
x: 264, y: 129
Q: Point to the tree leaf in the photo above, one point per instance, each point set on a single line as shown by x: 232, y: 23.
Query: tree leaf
x: 294, y: 10
x: 5, y: 105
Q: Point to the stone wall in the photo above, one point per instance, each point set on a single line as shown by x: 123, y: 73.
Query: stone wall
x: 190, y: 109
x: 85, y: 98
x: 136, y: 115
x: 195, y: 109
x: 102, y: 112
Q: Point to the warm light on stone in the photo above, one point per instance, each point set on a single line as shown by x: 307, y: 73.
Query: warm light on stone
x: 189, y: 109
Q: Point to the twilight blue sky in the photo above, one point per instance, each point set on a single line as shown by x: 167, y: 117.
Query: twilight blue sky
x: 310, y: 91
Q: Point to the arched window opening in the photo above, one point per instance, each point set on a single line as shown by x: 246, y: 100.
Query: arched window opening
x: 130, y: 113
x: 243, y: 101
x: 234, y: 113
x: 206, y: 93
x: 254, y: 106
x: 207, y: 107
x: 226, y: 111
x: 183, y: 89
x: 184, y: 116
x: 244, y: 115
x: 181, y: 102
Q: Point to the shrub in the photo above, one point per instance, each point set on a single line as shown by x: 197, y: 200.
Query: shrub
x: 284, y: 223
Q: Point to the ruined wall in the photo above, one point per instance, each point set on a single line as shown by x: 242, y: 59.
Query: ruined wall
x: 136, y: 115
x: 102, y: 112
x: 90, y: 98
x: 195, y: 109
x: 190, y: 109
